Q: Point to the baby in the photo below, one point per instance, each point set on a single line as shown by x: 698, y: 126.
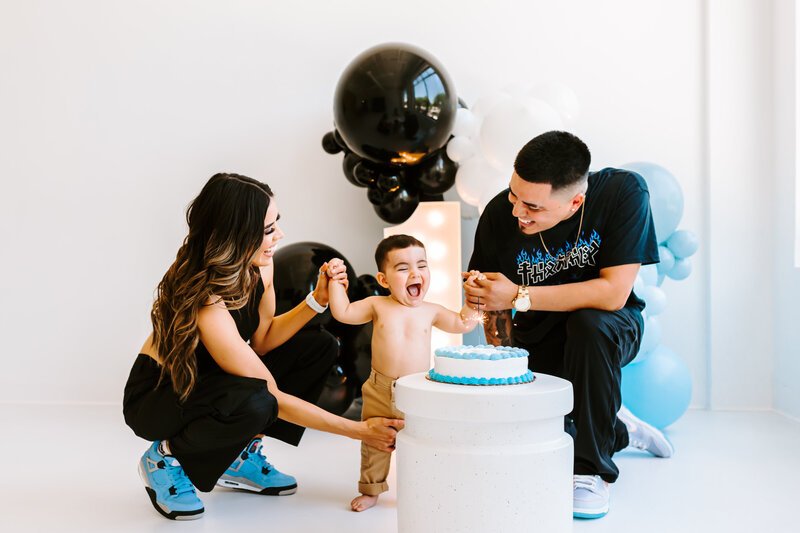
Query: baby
x: 401, y: 340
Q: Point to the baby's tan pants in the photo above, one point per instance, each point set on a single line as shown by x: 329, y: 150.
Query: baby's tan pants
x: 378, y: 395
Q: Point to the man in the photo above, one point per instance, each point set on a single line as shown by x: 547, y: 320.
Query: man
x: 564, y: 255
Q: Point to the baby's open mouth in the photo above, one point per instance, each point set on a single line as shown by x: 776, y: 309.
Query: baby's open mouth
x: 414, y: 289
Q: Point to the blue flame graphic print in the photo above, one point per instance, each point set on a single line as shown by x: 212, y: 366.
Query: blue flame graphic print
x: 535, y: 266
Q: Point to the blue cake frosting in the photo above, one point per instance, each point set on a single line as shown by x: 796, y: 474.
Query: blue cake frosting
x: 490, y: 353
x: 527, y: 377
x: 497, y: 352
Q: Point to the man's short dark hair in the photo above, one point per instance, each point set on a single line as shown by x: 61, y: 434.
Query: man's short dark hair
x: 556, y: 157
x: 393, y: 242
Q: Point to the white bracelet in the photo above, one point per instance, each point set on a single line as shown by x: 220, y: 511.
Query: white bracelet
x: 314, y: 304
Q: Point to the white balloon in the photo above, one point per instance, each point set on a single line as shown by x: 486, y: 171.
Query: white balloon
x: 517, y: 90
x: 465, y: 125
x: 459, y: 149
x: 484, y: 104
x: 472, y: 177
x: 561, y: 97
x: 490, y: 190
x: 510, y: 125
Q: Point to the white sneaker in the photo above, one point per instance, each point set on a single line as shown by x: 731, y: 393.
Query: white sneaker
x: 589, y: 496
x: 645, y: 437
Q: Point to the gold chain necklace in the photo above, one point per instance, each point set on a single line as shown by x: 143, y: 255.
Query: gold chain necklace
x: 577, y: 238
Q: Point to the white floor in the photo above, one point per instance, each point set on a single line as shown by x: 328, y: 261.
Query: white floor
x: 73, y: 468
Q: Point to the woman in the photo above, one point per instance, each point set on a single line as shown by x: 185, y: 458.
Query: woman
x: 199, y: 388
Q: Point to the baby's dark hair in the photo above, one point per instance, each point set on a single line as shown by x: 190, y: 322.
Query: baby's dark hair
x: 393, y: 242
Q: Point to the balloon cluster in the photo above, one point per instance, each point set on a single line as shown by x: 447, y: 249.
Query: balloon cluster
x: 657, y: 386
x: 394, y: 108
x: 296, y: 271
x: 486, y: 138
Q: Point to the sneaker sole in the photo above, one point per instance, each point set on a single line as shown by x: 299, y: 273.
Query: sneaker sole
x: 268, y: 491
x: 589, y: 515
x: 163, y: 510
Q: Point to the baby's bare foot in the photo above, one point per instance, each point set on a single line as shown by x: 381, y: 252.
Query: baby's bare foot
x: 363, y: 502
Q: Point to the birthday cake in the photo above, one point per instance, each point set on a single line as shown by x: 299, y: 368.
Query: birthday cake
x: 481, y: 365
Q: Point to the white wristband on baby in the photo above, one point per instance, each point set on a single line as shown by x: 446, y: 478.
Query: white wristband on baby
x: 314, y: 304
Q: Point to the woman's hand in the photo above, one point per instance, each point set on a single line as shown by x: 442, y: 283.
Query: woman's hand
x: 333, y: 270
x: 380, y: 432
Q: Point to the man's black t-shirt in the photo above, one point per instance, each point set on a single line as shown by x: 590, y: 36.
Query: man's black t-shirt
x: 617, y: 229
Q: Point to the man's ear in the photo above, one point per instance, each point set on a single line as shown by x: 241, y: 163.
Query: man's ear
x: 381, y: 277
x: 577, y: 201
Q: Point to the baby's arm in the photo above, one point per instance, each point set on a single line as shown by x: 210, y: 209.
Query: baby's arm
x: 452, y: 322
x: 465, y: 320
x: 342, y: 308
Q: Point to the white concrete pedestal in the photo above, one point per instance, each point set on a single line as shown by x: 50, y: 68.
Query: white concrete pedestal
x: 484, y: 458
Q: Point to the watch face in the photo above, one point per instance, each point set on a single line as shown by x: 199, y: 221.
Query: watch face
x: 522, y: 304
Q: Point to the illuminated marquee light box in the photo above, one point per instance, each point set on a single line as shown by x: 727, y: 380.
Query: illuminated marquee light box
x: 438, y: 226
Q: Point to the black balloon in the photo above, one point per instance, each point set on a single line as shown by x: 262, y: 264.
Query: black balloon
x: 394, y: 104
x: 365, y: 173
x: 369, y: 286
x: 338, y: 138
x: 388, y: 181
x: 397, y: 205
x: 375, y: 195
x: 337, y: 393
x: 329, y: 143
x: 435, y: 175
x: 358, y: 348
x: 349, y: 162
x: 296, y: 271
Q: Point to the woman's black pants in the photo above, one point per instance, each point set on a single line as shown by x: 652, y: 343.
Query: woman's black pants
x: 589, y: 348
x: 224, y: 412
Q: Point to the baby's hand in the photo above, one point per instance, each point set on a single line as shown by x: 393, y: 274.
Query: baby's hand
x: 469, y: 315
x: 335, y: 265
x: 475, y: 275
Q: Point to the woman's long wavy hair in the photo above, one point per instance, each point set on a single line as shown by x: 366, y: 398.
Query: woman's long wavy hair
x: 226, y: 229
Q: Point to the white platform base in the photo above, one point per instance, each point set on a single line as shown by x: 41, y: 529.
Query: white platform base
x: 484, y: 458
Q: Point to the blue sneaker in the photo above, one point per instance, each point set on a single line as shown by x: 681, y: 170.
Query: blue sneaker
x: 251, y: 471
x: 589, y: 496
x: 170, y: 490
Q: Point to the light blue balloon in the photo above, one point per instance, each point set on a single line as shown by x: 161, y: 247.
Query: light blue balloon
x: 659, y: 389
x: 655, y: 300
x: 649, y: 274
x: 666, y: 260
x: 681, y: 270
x: 666, y: 197
x: 651, y: 338
x: 638, y: 285
x: 683, y: 243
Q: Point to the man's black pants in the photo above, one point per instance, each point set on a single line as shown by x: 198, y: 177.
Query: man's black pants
x: 589, y: 347
x: 223, y: 412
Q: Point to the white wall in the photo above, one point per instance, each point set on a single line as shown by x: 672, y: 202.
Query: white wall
x: 786, y: 23
x: 114, y: 114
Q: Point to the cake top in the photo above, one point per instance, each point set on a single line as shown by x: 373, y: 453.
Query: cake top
x: 481, y: 351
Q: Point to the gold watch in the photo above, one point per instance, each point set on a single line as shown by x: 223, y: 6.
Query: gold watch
x: 522, y: 302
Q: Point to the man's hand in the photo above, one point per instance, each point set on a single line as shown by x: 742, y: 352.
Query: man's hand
x: 381, y: 432
x: 494, y: 293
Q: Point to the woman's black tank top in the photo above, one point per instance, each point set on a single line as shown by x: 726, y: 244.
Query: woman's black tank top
x: 246, y: 320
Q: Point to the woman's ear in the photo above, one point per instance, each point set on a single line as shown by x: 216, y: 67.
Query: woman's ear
x: 381, y: 277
